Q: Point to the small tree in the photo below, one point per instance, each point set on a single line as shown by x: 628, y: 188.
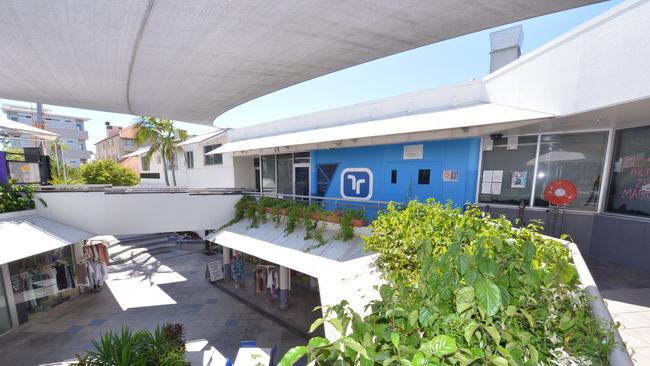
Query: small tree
x: 164, y: 138
x: 108, y: 172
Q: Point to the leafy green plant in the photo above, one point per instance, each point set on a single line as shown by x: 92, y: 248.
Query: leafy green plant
x: 477, y: 292
x: 346, y: 230
x: 107, y: 172
x: 17, y: 197
x: 164, y: 347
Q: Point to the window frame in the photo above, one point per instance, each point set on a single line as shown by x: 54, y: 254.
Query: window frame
x: 605, y: 174
x: 189, y: 159
x: 209, y: 160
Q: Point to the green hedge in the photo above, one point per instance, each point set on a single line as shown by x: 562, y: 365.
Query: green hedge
x: 464, y: 289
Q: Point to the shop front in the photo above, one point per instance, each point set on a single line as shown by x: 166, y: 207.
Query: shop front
x: 41, y: 282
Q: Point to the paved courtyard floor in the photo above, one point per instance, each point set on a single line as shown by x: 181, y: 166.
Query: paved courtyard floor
x: 168, y: 288
x: 627, y: 294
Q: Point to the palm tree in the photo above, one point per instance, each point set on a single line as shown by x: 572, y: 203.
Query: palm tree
x: 164, y: 137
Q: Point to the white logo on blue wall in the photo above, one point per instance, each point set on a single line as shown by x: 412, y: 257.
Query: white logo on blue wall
x: 356, y: 183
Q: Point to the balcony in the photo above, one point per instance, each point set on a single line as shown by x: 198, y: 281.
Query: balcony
x: 70, y: 133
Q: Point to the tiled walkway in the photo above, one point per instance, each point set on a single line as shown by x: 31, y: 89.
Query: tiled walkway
x: 169, y: 288
x: 627, y: 294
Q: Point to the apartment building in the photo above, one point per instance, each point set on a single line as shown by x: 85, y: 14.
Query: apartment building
x: 119, y: 141
x: 71, y: 130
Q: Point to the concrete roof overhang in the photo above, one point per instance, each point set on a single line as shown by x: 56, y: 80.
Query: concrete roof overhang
x: 192, y: 61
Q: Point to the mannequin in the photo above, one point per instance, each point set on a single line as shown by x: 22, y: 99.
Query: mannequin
x: 237, y: 265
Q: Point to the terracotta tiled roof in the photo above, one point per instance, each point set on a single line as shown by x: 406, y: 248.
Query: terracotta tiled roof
x: 128, y: 132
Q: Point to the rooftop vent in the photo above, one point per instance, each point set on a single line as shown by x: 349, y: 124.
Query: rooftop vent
x: 505, y: 46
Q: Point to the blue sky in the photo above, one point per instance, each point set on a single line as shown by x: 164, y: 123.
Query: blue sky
x: 448, y: 62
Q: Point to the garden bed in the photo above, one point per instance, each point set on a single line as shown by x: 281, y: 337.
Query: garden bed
x: 464, y: 289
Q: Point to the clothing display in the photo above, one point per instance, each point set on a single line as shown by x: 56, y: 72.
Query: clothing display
x: 267, y: 280
x: 92, y: 269
x: 237, y: 265
x: 42, y: 281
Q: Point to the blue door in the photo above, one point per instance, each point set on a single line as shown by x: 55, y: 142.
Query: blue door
x: 398, y: 182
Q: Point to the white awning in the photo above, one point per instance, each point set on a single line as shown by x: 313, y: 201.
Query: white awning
x: 193, y: 60
x: 271, y: 243
x: 24, y: 236
x: 138, y: 152
x: 17, y: 128
x: 201, y: 138
x: 475, y: 115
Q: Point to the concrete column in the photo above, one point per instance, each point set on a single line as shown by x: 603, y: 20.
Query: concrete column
x: 284, y: 288
x: 226, y: 264
x: 9, y: 292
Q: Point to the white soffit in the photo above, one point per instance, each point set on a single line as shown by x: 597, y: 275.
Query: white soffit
x: 201, y: 138
x: 477, y: 115
x: 25, y: 236
x: 193, y: 60
x: 272, y: 244
x: 17, y: 128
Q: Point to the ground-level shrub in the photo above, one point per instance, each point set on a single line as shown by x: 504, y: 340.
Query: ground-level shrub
x: 165, y: 346
x: 464, y: 289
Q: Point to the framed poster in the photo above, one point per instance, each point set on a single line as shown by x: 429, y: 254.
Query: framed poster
x: 519, y: 179
x: 413, y: 152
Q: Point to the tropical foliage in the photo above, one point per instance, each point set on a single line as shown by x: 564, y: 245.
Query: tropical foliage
x: 165, y: 346
x: 296, y: 212
x: 164, y: 138
x: 16, y: 197
x: 464, y: 289
x: 106, y: 172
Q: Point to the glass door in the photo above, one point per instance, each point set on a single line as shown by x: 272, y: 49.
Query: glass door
x: 301, y: 180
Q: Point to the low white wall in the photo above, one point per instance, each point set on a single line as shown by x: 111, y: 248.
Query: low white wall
x: 142, y: 213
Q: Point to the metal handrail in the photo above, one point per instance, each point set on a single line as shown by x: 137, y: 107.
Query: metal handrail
x: 109, y: 189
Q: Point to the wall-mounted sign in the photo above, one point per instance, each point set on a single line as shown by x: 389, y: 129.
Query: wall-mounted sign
x: 356, y: 183
x: 519, y: 179
x: 24, y: 172
x: 492, y: 180
x: 450, y: 175
x: 413, y: 152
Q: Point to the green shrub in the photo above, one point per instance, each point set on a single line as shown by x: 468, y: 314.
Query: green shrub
x: 108, y: 172
x: 16, y: 197
x: 463, y: 289
x: 164, y: 347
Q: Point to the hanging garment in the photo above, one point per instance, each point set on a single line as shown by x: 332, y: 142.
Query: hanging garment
x: 61, y: 278
x: 260, y: 280
x: 69, y: 277
x: 238, y: 268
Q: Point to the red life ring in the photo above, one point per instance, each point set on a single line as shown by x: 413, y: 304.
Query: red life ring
x: 560, y: 192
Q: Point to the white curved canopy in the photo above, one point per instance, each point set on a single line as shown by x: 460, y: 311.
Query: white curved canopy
x: 20, y: 129
x: 193, y: 60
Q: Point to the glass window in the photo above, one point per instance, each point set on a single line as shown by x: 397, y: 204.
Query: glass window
x: 144, y: 161
x: 301, y: 157
x: 189, y: 159
x: 128, y: 142
x: 629, y: 189
x: 393, y: 176
x: 78, y: 126
x: 577, y: 158
x: 285, y: 173
x: 268, y: 173
x: 507, y: 169
x: 215, y: 159
x: 424, y: 176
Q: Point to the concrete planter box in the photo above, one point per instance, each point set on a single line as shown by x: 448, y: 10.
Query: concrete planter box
x: 619, y: 355
x: 11, y: 215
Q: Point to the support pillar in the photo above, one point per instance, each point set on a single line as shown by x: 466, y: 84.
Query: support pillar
x: 284, y: 288
x: 226, y: 263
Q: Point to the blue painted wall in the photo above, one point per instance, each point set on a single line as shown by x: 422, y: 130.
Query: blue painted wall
x: 460, y: 155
